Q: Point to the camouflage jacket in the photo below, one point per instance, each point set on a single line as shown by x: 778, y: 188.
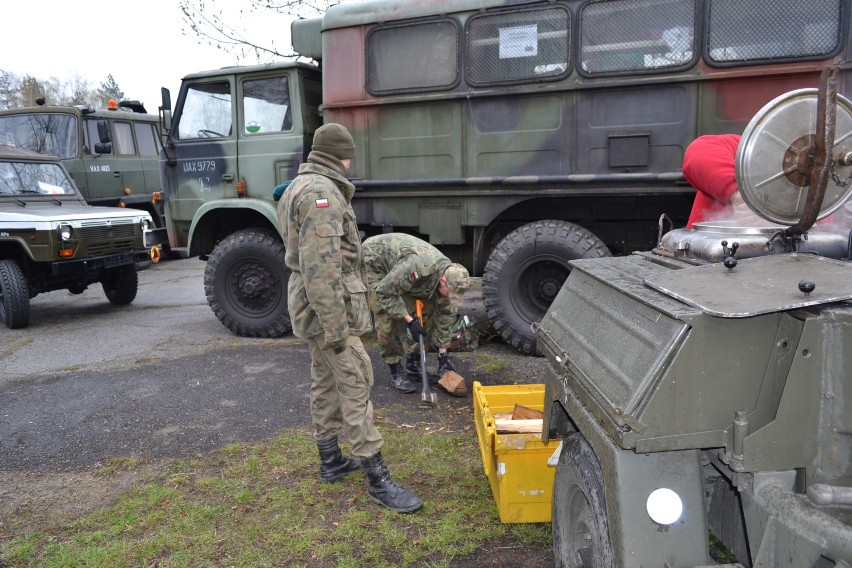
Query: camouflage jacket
x: 401, y: 268
x: 326, y: 294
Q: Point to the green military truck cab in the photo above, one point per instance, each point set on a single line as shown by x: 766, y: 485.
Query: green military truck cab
x: 51, y: 239
x: 514, y: 136
x: 112, y: 154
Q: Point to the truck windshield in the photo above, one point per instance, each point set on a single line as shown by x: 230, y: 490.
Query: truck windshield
x: 27, y: 178
x: 53, y: 134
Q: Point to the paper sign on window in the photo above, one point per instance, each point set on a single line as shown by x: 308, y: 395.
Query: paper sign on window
x: 521, y: 41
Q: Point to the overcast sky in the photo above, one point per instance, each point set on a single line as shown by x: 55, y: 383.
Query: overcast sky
x: 139, y: 43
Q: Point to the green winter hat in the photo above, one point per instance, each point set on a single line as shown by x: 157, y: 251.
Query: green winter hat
x: 334, y: 139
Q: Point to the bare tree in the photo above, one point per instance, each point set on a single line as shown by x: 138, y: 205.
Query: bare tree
x: 207, y: 20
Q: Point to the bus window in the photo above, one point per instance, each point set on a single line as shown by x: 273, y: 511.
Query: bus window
x: 421, y: 56
x: 758, y: 30
x: 635, y: 35
x: 518, y: 46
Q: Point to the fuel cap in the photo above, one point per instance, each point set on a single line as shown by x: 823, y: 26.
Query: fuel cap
x: 772, y: 165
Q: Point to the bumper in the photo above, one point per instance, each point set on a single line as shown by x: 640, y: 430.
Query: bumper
x: 156, y: 237
x: 95, y: 264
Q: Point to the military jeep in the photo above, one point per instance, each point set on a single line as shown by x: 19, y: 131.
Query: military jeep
x: 51, y: 239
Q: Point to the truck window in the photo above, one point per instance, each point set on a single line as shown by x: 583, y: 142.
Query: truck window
x: 45, y: 133
x: 742, y: 32
x: 124, y: 138
x: 98, y: 139
x: 518, y: 46
x: 422, y: 56
x: 626, y: 35
x: 146, y: 137
x: 206, y: 112
x: 266, y: 106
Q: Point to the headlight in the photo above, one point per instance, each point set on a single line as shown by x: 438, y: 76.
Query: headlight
x: 147, y: 225
x: 664, y: 506
x: 66, y: 232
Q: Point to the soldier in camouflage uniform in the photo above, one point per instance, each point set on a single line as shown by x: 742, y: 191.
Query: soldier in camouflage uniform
x: 328, y: 307
x: 399, y: 269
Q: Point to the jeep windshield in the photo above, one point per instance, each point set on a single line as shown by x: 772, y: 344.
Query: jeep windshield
x: 53, y: 134
x: 30, y: 178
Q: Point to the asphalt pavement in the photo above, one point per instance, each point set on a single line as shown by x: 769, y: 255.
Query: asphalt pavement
x: 87, y: 380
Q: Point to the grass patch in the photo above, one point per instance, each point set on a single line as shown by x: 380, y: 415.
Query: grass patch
x: 263, y: 505
x: 115, y: 465
x: 490, y: 364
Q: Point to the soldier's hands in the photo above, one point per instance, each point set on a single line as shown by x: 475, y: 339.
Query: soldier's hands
x: 416, y: 329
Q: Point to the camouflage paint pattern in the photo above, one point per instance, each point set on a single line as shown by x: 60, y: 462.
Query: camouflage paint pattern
x: 399, y: 269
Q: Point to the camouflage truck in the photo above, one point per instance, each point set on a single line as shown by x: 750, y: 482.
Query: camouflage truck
x: 514, y: 136
x: 112, y: 154
x: 702, y: 386
x: 51, y: 239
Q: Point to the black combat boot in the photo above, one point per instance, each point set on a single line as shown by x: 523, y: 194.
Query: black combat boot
x: 383, y: 490
x: 412, y: 369
x: 333, y: 466
x: 398, y: 379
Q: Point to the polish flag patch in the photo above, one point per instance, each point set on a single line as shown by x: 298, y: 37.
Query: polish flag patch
x: 322, y: 202
x: 415, y: 276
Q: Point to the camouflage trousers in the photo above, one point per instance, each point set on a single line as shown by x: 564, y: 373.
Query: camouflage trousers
x: 340, y: 395
x: 392, y: 334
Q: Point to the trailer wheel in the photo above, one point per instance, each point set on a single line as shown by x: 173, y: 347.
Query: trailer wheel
x: 14, y: 295
x: 526, y: 270
x: 121, y: 284
x: 246, y: 284
x: 580, y: 527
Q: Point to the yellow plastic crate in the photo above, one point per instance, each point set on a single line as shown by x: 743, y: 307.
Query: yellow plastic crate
x: 516, y: 464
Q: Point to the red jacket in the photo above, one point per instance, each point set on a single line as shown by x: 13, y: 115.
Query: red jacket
x: 708, y: 165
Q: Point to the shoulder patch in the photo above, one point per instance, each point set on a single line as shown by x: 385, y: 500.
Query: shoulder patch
x: 415, y: 275
x: 321, y: 202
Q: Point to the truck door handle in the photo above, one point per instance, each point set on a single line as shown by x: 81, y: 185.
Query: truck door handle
x: 228, y: 177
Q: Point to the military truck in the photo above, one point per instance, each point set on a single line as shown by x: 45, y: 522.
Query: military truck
x: 112, y: 154
x: 51, y: 239
x: 702, y: 386
x: 513, y: 135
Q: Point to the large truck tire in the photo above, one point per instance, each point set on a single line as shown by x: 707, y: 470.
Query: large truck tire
x: 526, y: 270
x: 246, y: 284
x: 121, y: 284
x: 580, y: 527
x: 14, y: 295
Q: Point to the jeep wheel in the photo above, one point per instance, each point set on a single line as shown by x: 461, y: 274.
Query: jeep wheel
x: 526, y: 270
x: 120, y: 285
x: 14, y: 295
x: 580, y: 527
x: 246, y: 284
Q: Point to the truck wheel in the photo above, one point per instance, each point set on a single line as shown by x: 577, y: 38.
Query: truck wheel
x: 120, y: 285
x: 246, y: 284
x: 580, y: 527
x: 526, y: 270
x: 14, y: 295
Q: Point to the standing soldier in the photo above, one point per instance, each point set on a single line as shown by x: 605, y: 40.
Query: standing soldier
x: 399, y: 269
x: 328, y: 307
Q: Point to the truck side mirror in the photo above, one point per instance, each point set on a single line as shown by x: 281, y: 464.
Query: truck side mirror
x: 166, y: 110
